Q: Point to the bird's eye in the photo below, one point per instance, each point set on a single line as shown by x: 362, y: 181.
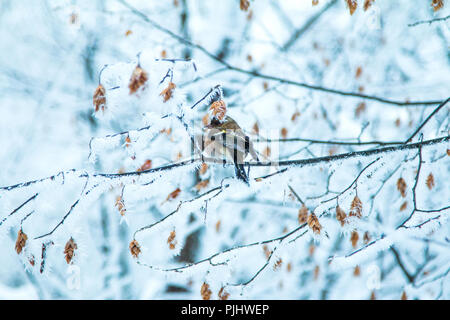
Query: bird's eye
x: 213, y: 138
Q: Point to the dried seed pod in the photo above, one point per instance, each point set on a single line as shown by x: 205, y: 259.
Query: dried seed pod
x: 277, y: 264
x: 120, y: 205
x: 313, y: 223
x: 173, y: 194
x: 404, y: 296
x: 218, y: 224
x: 127, y: 141
x: 312, y: 249
x: 138, y: 78
x: 146, y: 166
x: 135, y: 248
x: 404, y: 206
x: 368, y: 4
x: 167, y: 92
x: 21, y: 241
x: 295, y: 115
x: 358, y: 72
x: 202, y: 185
x: 255, y: 128
x: 171, y: 240
x: 352, y: 5
x: 69, y: 250
x: 205, y: 291
x: 401, y: 186
x: 223, y: 295
x: 205, y: 120
x: 303, y: 214
x: 354, y: 238
x: 284, y: 133
x: 244, y: 5
x: 267, y: 251
x: 315, y: 2
x: 31, y: 260
x: 437, y: 4
x: 356, y: 271
x: 218, y: 109
x: 341, y: 216
x: 356, y: 208
x: 316, y: 272
x: 360, y: 109
x: 430, y: 181
x: 203, y: 168
x: 289, y: 267
x: 366, y: 237
x: 99, y: 98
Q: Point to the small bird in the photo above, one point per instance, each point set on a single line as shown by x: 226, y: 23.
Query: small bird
x: 225, y: 139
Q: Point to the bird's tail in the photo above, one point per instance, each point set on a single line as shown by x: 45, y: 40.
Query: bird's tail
x: 240, y: 172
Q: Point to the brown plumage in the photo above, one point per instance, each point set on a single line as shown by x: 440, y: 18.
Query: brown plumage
x: 225, y: 139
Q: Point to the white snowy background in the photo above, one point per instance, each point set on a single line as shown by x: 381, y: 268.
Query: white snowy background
x: 245, y: 240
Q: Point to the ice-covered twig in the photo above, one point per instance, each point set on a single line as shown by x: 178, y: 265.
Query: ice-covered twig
x: 428, y: 21
x: 19, y: 207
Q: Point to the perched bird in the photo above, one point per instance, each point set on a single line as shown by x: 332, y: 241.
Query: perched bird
x: 225, y: 139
